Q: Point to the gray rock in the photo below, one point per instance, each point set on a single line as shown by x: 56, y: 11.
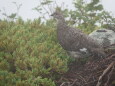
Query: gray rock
x: 104, y: 37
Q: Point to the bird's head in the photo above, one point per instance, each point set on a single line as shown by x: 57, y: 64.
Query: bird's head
x: 57, y: 15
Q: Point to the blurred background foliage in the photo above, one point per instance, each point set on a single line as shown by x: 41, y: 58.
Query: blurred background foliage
x: 29, y: 51
x: 87, y: 16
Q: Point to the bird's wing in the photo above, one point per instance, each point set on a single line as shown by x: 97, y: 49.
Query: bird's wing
x: 75, y: 34
x: 78, y: 38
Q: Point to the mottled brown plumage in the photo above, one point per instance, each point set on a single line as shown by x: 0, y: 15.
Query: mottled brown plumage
x: 72, y: 39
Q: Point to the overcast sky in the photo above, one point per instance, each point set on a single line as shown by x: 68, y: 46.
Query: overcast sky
x: 26, y: 11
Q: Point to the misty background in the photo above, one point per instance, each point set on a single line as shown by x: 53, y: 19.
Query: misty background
x: 26, y: 11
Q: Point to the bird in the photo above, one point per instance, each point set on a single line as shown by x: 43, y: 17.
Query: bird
x: 73, y: 39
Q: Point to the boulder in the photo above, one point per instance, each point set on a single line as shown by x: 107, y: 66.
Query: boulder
x: 104, y: 37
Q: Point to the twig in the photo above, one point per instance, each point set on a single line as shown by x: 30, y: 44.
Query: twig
x: 65, y: 83
x: 104, y: 73
x: 109, y: 76
x: 82, y: 78
x: 112, y: 56
x: 73, y: 82
x: 90, y: 82
x: 62, y: 83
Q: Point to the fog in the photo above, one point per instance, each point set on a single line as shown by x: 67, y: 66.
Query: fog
x: 26, y: 11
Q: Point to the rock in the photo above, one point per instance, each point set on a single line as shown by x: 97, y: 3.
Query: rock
x: 104, y: 37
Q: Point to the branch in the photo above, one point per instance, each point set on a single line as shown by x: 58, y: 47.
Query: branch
x: 104, y: 73
x: 109, y: 76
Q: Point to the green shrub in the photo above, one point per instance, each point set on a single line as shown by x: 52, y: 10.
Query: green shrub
x: 30, y: 54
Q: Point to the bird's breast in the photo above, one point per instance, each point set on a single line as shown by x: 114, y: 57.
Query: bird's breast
x: 64, y: 39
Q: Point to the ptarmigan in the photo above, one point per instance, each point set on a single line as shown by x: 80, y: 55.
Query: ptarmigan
x: 74, y: 40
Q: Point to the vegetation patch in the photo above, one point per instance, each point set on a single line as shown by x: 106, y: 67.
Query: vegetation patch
x: 30, y: 54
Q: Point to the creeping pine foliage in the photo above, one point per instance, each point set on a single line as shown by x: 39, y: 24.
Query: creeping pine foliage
x: 30, y: 54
